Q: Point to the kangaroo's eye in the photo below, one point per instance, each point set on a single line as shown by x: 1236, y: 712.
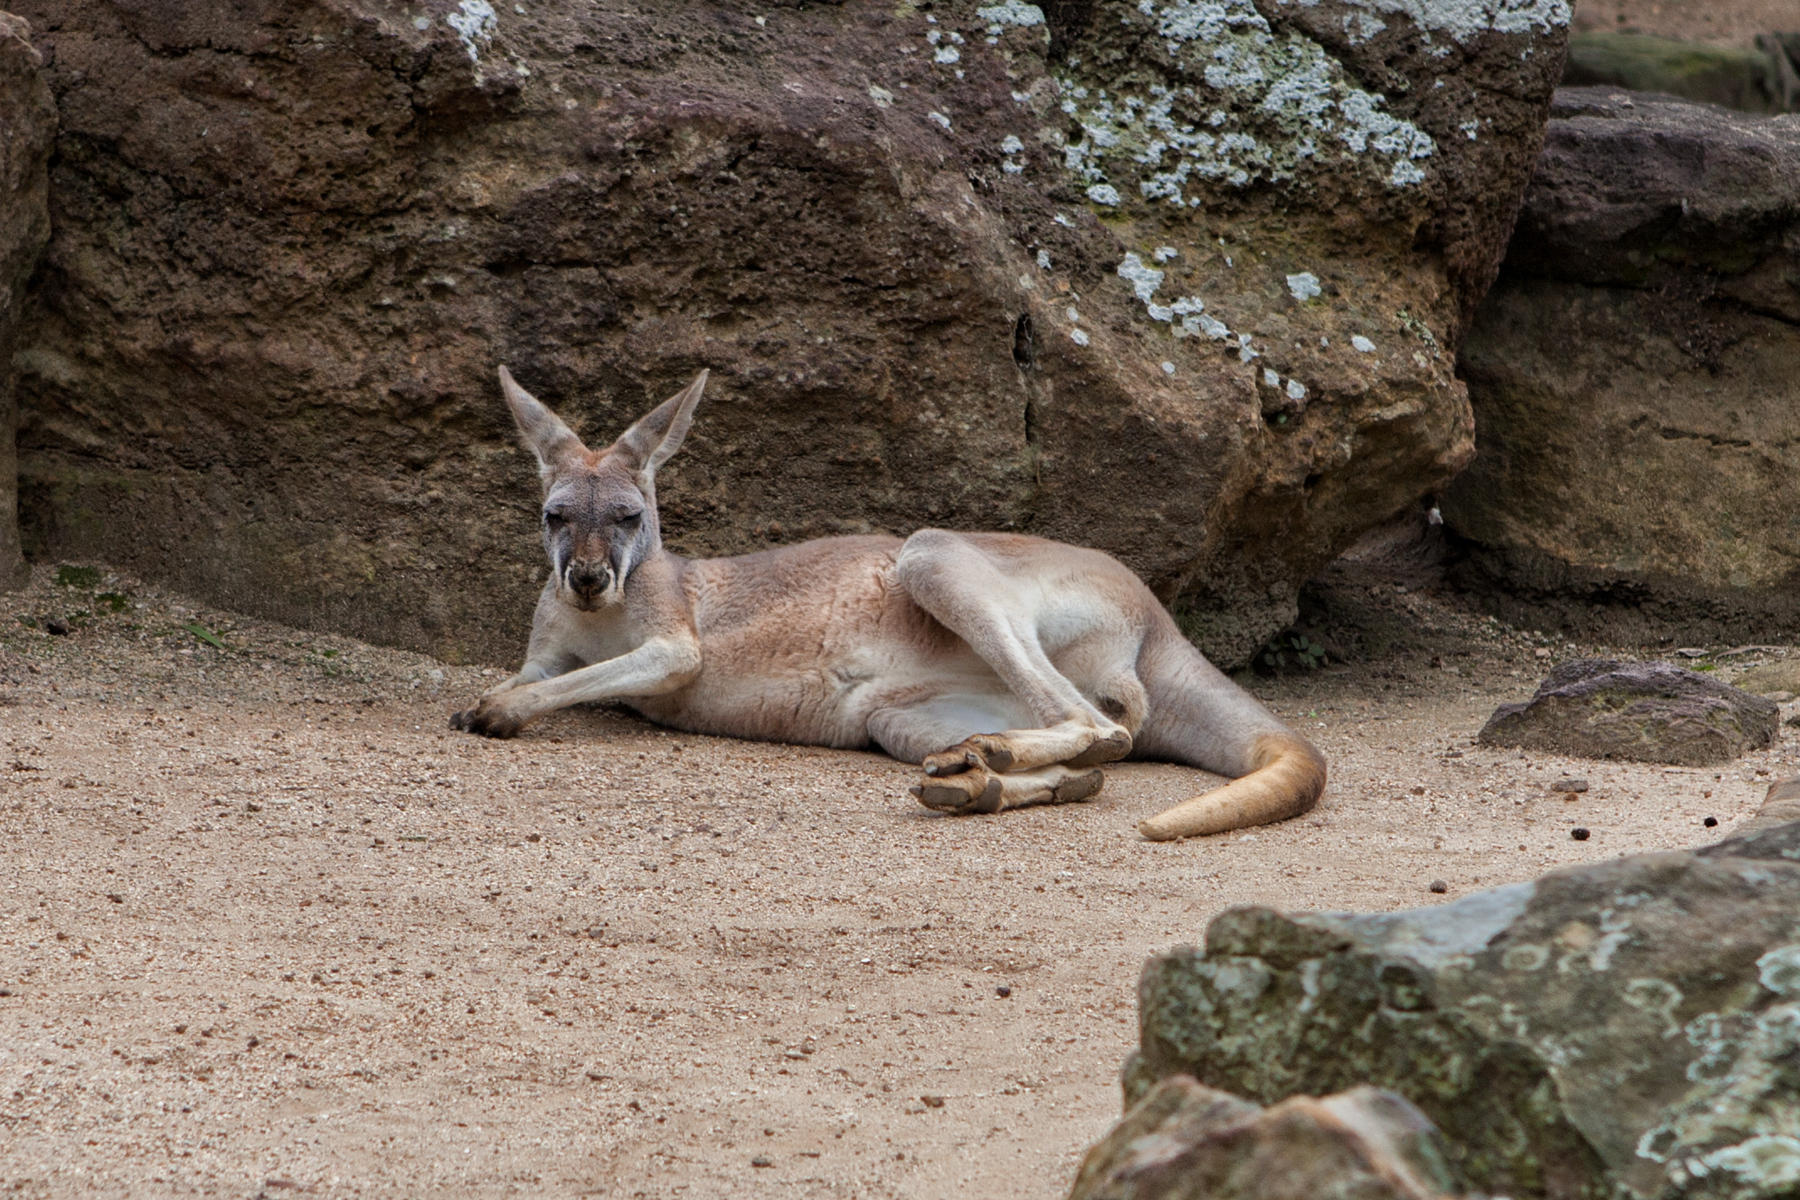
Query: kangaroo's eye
x: 631, y: 518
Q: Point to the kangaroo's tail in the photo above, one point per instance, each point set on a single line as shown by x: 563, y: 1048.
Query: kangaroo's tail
x: 1287, y: 779
x: 1199, y: 717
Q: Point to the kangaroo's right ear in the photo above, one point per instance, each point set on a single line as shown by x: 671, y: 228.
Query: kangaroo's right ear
x: 658, y: 433
x: 542, y: 430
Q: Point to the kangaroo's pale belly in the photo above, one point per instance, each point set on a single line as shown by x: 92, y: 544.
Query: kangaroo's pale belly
x: 804, y: 644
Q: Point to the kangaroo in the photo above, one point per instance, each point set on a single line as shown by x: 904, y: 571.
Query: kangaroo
x: 1009, y: 667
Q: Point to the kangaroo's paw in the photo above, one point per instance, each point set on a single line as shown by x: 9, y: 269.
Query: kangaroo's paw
x: 489, y: 718
x: 1052, y: 785
x: 1078, y: 787
x: 1111, y: 748
x: 987, y: 751
x: 967, y: 791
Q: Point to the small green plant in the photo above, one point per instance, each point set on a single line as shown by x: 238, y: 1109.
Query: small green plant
x: 204, y: 634
x: 113, y: 601
x: 77, y: 577
x: 1291, y: 651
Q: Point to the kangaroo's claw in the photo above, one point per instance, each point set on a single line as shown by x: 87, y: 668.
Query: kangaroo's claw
x: 487, y: 720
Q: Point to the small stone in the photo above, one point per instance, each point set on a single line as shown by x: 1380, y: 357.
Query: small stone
x: 1439, y: 887
x: 1710, y: 822
x: 1579, y: 834
x: 1567, y: 784
x: 762, y: 1160
x: 1002, y: 991
x: 932, y: 1101
x: 57, y: 626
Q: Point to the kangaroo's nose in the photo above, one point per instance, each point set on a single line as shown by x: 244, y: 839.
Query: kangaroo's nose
x: 589, y: 578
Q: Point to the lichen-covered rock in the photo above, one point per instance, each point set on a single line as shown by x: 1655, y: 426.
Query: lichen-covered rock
x: 27, y: 125
x: 1183, y: 1141
x: 1641, y: 711
x: 1633, y: 373
x: 1628, y: 1030
x: 972, y: 264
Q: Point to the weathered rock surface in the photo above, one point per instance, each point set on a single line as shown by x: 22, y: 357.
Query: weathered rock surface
x: 1642, y: 711
x: 1760, y: 78
x: 1183, y: 1141
x: 1633, y: 374
x: 1182, y: 281
x: 1628, y: 1030
x: 27, y: 125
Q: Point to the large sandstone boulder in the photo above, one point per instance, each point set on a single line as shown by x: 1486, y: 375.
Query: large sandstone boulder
x: 1182, y: 280
x: 1634, y: 374
x: 1627, y: 1030
x: 1184, y: 1141
x: 27, y: 124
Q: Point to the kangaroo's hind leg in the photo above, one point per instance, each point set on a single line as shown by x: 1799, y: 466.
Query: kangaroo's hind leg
x: 912, y: 731
x: 958, y: 583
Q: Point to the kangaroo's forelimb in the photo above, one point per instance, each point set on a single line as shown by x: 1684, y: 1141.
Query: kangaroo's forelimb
x: 658, y: 666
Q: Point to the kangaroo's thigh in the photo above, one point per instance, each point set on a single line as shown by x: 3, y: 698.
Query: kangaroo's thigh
x: 913, y: 731
x: 957, y: 583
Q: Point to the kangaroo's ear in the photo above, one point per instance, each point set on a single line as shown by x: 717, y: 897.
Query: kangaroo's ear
x: 658, y: 434
x: 542, y: 430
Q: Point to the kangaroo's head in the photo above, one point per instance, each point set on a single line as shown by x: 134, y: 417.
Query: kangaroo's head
x: 600, y: 519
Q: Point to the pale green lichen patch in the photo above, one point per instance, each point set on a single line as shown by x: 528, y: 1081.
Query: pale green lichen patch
x: 1462, y: 20
x: 1012, y: 12
x: 1211, y: 94
x: 1779, y: 970
x: 474, y: 22
x: 1769, y: 1163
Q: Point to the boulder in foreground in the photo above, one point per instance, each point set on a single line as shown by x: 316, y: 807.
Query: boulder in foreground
x: 1628, y: 1030
x: 1184, y: 1141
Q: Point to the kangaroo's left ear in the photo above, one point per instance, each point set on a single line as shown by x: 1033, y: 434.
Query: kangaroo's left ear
x: 658, y: 434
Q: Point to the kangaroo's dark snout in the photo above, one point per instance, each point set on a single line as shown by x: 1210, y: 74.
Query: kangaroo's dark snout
x: 589, y: 579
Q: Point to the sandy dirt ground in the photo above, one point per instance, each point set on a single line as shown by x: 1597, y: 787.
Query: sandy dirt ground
x: 269, y: 928
x: 1728, y: 22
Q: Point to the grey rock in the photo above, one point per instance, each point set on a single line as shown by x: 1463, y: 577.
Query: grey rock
x: 1632, y: 374
x: 1641, y: 711
x: 295, y: 239
x: 1628, y: 1030
x: 27, y: 127
x: 1184, y: 1141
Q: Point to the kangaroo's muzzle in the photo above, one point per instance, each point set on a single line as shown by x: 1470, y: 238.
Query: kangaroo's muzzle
x: 589, y: 580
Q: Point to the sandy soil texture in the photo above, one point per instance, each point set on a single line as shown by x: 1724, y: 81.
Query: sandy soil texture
x: 268, y: 927
x: 1728, y: 22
